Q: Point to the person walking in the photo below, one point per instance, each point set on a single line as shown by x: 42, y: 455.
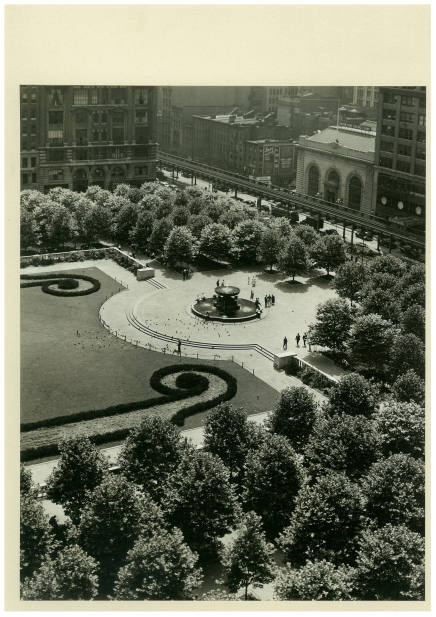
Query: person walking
x: 304, y: 339
x: 266, y: 301
x: 218, y: 283
x: 285, y: 343
x: 273, y: 299
x: 297, y: 339
x: 179, y: 347
x: 251, y: 295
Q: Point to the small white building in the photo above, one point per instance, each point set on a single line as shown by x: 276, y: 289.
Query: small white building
x: 338, y: 164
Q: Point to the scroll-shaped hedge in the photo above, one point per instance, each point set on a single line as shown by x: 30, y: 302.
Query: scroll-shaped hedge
x: 47, y: 281
x: 182, y: 390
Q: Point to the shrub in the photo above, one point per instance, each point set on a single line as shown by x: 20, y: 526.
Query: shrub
x: 189, y: 380
x: 68, y: 284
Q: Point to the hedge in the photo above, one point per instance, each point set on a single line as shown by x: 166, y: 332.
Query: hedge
x: 45, y: 281
x: 170, y: 395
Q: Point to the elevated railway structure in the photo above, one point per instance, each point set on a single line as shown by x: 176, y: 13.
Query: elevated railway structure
x: 292, y: 200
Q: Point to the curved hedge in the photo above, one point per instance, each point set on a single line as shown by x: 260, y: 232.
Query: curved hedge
x: 170, y: 394
x: 46, y: 281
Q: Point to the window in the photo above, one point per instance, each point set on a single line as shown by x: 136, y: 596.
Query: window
x: 141, y: 96
x: 103, y: 117
x: 389, y: 114
x: 385, y: 162
x: 421, y: 119
x: 355, y: 193
x: 55, y: 135
x: 55, y: 117
x: 406, y: 117
x: 420, y: 137
x: 404, y: 149
x: 119, y: 96
x: 55, y: 97
x: 80, y: 96
x: 94, y: 96
x: 388, y: 130
x: 117, y: 134
x: 25, y: 178
x: 408, y: 100
x: 33, y: 162
x: 140, y: 117
x: 420, y: 154
x: 405, y: 133
x: 23, y: 115
x: 420, y: 170
x: 34, y: 178
x: 24, y: 162
x: 81, y: 154
x: 55, y: 155
x: 81, y: 117
x: 33, y: 112
x: 81, y: 136
x: 24, y: 97
x: 313, y: 186
x: 141, y: 134
x: 33, y: 97
x: 403, y: 166
x: 94, y: 135
x: 141, y: 171
x: 117, y: 118
x: 390, y: 98
x: 387, y: 146
x: 55, y: 174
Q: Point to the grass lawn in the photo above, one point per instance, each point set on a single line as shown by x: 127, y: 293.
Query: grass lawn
x: 62, y: 373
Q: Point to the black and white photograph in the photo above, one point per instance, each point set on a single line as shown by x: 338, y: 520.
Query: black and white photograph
x: 222, y: 384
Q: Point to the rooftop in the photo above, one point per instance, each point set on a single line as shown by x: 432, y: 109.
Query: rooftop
x: 233, y: 119
x: 349, y: 138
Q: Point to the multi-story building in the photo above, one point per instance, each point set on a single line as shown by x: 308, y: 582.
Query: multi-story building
x: 338, y: 164
x: 400, y: 156
x: 84, y: 135
x: 29, y: 143
x: 365, y: 96
x: 220, y: 140
x: 265, y: 99
x: 272, y: 160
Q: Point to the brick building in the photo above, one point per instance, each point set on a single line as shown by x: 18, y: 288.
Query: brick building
x: 271, y: 159
x: 400, y: 157
x: 220, y: 140
x: 338, y: 164
x: 74, y: 136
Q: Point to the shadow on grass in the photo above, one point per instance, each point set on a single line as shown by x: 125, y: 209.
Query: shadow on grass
x: 295, y: 286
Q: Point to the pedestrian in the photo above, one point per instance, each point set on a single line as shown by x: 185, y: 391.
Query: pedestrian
x: 222, y: 284
x: 179, y: 347
x: 251, y: 295
x: 273, y: 299
x: 266, y: 301
x: 253, y: 282
x: 297, y: 339
x: 285, y: 343
x: 218, y: 283
x: 308, y: 342
x: 304, y: 339
x: 248, y: 280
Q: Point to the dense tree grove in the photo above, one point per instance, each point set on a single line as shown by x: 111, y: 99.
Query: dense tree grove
x: 325, y: 500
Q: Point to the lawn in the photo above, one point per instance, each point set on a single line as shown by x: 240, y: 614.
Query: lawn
x: 62, y: 372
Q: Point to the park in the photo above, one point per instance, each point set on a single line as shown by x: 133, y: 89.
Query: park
x: 296, y: 362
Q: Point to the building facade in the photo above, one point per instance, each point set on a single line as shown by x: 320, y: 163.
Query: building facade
x: 337, y: 165
x: 365, y: 96
x: 265, y: 99
x: 83, y: 135
x: 400, y: 171
x: 271, y: 160
x: 220, y: 140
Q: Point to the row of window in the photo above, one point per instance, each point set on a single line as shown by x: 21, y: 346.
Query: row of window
x: 105, y: 96
x: 404, y: 166
x: 28, y: 162
x: 28, y: 178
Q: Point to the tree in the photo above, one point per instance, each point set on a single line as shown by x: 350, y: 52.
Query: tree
x: 409, y: 387
x: 341, y: 443
x: 270, y: 246
x: 388, y: 264
x: 382, y: 302
x: 293, y: 257
x: 325, y: 522
x: 28, y: 229
x: 115, y: 515
x: 214, y: 210
x: 216, y: 241
x: 415, y: 294
x: 413, y: 321
x: 307, y: 235
x: 232, y: 217
x: 316, y: 580
x: 329, y: 252
x: 247, y: 237
x: 60, y: 228
x: 350, y: 278
x: 401, y: 427
x: 407, y: 353
x: 71, y: 575
x: 125, y: 221
x: 390, y: 564
x: 334, y: 319
x: 273, y: 477
x: 159, y: 568
x: 227, y: 435
x: 353, y: 395
x: 27, y: 486
x: 180, y: 246
x: 159, y: 235
x: 248, y: 559
x: 199, y: 499
x: 283, y: 226
x: 294, y: 415
x: 370, y: 343
x: 81, y: 467
x: 394, y: 489
x: 35, y: 537
x: 151, y: 452
x: 180, y: 216
x: 197, y: 222
x: 97, y: 222
x: 141, y: 233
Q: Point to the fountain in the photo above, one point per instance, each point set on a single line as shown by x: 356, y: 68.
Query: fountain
x: 225, y: 306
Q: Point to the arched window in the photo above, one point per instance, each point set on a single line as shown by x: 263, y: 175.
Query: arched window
x: 332, y: 186
x: 313, y: 184
x: 355, y: 193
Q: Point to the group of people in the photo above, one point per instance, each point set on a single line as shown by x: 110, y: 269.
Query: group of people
x: 298, y: 338
x: 186, y: 273
x: 218, y: 284
x: 270, y: 300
